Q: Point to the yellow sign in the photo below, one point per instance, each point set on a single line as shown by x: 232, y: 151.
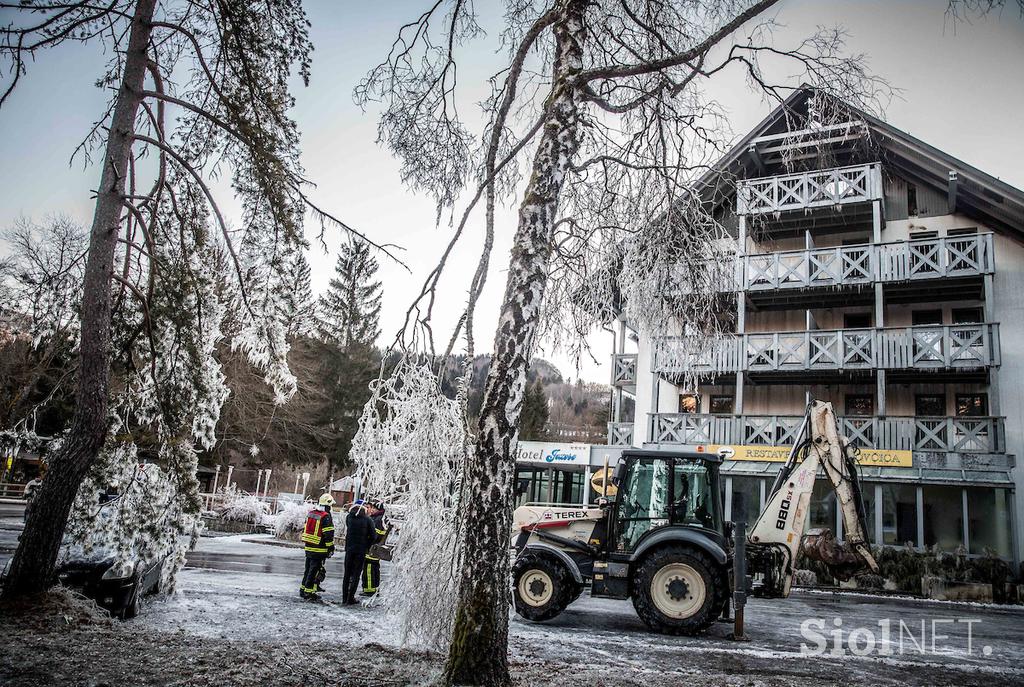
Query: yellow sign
x: 601, y: 481
x: 874, y: 457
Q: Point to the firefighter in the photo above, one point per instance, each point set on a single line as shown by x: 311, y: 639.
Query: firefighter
x: 371, y: 573
x: 359, y: 537
x: 318, y: 537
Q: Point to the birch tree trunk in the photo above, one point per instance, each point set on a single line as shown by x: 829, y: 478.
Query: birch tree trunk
x: 479, y: 647
x: 32, y: 567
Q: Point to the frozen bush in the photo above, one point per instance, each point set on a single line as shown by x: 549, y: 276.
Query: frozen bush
x: 292, y: 518
x: 805, y: 578
x: 244, y: 508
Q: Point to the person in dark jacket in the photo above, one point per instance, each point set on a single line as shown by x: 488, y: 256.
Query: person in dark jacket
x: 371, y: 573
x: 318, y: 538
x: 359, y: 537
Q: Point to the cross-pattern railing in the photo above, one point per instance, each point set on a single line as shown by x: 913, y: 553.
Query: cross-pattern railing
x: 918, y: 259
x: 960, y: 434
x: 960, y: 346
x: 620, y: 433
x: 624, y: 369
x: 818, y: 188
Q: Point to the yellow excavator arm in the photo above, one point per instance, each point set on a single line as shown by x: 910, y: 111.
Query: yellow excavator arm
x: 780, y: 527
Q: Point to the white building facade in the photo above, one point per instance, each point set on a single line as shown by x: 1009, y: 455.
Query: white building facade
x: 875, y: 272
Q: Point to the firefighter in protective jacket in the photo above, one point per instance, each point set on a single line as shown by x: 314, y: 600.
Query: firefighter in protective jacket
x: 318, y: 537
x: 371, y: 574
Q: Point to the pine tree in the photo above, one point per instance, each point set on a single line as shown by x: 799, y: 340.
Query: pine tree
x: 350, y: 309
x: 297, y: 303
x: 349, y: 324
x: 535, y: 414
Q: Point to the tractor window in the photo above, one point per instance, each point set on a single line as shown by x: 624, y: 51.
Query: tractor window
x: 642, y: 501
x: 694, y: 501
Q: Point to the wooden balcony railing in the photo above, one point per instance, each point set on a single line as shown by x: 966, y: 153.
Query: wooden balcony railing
x: 960, y: 346
x: 962, y: 434
x: 919, y: 259
x: 620, y: 433
x: 818, y: 188
x: 624, y: 369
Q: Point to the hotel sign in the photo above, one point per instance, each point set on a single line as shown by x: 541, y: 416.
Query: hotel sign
x: 553, y: 454
x: 778, y: 454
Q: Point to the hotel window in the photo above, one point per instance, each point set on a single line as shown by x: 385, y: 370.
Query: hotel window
x: 860, y: 405
x: 989, y: 523
x: 943, y: 516
x: 972, y: 405
x: 721, y: 405
x: 899, y: 514
x: 857, y: 320
x: 929, y: 405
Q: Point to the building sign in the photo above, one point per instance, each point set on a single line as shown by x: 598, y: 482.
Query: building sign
x: 778, y: 454
x: 553, y: 454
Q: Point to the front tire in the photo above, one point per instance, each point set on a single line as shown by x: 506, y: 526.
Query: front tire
x: 679, y: 590
x: 541, y: 587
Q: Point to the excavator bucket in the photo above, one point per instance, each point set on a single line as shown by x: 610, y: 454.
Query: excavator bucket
x: 842, y: 561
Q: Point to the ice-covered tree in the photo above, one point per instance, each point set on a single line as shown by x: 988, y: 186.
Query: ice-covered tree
x: 350, y: 308
x: 199, y: 88
x: 599, y: 122
x: 39, y: 300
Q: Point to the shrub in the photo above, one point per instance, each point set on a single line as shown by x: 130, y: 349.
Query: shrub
x: 244, y: 508
x: 291, y: 518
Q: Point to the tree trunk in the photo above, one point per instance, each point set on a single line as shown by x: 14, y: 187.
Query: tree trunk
x: 32, y: 567
x: 479, y: 648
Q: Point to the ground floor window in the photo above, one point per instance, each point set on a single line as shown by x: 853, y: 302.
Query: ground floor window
x: 868, y: 494
x: 943, y: 516
x: 823, y: 507
x: 989, y: 523
x: 746, y: 500
x: 899, y: 514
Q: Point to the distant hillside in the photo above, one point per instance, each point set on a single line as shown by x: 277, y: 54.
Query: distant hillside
x: 577, y: 411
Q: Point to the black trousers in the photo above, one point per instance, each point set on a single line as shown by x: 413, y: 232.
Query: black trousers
x: 354, y: 562
x: 314, y: 562
x: 371, y: 575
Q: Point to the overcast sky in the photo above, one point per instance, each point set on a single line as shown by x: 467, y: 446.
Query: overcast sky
x: 962, y: 92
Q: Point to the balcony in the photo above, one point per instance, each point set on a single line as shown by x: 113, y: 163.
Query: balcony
x: 620, y: 433
x: 949, y: 347
x: 900, y: 261
x: 960, y: 434
x: 624, y: 370
x: 808, y: 190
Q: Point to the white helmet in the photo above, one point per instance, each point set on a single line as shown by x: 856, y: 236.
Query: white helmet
x: 326, y: 500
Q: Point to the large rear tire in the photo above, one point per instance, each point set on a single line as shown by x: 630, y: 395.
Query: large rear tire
x: 541, y: 586
x: 679, y: 590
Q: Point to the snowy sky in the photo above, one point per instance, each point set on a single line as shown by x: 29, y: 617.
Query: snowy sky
x: 961, y: 93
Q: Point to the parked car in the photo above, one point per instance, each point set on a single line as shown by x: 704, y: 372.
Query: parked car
x: 119, y: 588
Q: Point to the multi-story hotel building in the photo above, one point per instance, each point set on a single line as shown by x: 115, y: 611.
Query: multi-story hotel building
x: 876, y: 272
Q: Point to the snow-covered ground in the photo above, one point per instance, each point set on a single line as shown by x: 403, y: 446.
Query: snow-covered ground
x: 606, y: 637
x: 250, y: 613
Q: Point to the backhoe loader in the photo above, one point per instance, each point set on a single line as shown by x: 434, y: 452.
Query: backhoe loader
x: 660, y: 539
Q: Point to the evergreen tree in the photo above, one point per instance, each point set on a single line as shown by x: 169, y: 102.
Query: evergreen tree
x: 297, y: 304
x: 534, y: 414
x: 349, y: 325
x: 350, y: 309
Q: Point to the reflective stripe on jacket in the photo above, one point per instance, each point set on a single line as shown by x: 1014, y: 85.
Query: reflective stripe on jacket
x: 318, y: 535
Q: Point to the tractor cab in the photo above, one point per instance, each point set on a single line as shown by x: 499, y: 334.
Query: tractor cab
x: 659, y: 489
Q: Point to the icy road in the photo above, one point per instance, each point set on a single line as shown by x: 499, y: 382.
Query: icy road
x: 237, y: 620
